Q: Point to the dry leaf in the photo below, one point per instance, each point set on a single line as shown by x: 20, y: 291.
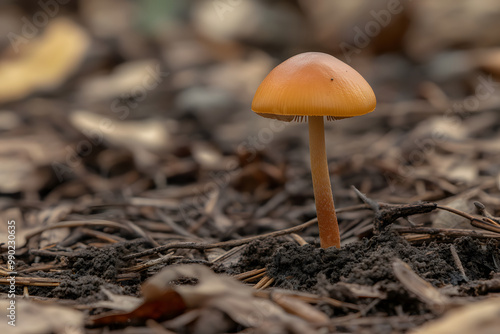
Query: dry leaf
x: 45, y: 63
x: 228, y: 295
x: 40, y: 318
x: 445, y: 219
x: 126, y: 79
x: 209, y: 285
x: 166, y: 305
x: 301, y: 309
x: 22, y: 159
x: 118, y: 302
x: 148, y: 134
x: 420, y: 287
x: 478, y: 318
x: 211, y: 294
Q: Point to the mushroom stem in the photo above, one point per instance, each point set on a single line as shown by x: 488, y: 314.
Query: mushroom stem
x: 325, y: 209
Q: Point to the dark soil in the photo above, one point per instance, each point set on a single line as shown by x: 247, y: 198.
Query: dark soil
x: 88, y: 271
x: 369, y: 262
x: 305, y: 268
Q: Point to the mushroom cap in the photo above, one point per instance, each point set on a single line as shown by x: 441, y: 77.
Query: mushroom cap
x: 313, y: 84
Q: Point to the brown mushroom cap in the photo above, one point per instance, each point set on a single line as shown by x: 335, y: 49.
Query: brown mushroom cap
x: 313, y: 84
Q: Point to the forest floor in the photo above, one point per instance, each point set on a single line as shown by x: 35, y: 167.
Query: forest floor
x: 163, y: 204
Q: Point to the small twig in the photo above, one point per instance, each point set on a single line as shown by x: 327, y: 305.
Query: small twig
x: 455, y: 211
x: 248, y: 274
x: 253, y: 278
x: 486, y: 224
x: 364, y: 311
x: 481, y: 210
x: 420, y: 287
x: 390, y: 213
x: 32, y: 281
x: 298, y: 239
x: 101, y: 235
x: 374, y: 205
x: 355, y: 208
x: 140, y: 201
x: 386, y: 214
x: 233, y: 251
x: 263, y: 282
x: 43, y: 267
x: 175, y: 227
x: 447, y: 232
x: 267, y: 284
x: 458, y: 263
x: 46, y: 253
x: 275, y: 201
x: 121, y: 277
x: 305, y: 297
x: 145, y: 265
x: 230, y: 243
x: 63, y: 224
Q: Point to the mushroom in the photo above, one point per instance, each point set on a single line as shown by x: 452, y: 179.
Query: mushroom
x: 309, y: 86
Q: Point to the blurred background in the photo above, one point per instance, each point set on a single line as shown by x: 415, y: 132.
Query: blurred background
x: 112, y: 100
